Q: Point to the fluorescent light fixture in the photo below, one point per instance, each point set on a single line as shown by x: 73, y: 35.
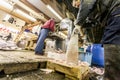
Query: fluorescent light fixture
x: 6, y: 5
x: 25, y: 15
x: 54, y: 12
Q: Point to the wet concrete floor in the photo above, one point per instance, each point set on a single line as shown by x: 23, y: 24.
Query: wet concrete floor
x: 33, y: 75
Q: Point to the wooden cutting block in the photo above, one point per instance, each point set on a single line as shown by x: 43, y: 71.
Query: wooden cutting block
x: 73, y: 72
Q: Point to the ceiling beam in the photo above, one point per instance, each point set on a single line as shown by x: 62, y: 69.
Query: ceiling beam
x: 13, y: 13
x: 34, y: 8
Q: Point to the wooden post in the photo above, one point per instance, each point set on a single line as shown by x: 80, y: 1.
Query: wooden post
x: 25, y: 27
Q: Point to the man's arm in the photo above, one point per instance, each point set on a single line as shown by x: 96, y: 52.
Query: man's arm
x: 84, y: 9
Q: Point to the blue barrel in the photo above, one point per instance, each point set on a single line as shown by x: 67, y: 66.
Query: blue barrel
x: 98, y: 55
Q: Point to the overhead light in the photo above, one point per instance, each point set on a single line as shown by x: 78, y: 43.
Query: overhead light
x: 54, y: 12
x: 25, y: 15
x: 6, y: 5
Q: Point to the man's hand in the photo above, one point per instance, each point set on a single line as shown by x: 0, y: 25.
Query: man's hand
x: 76, y: 3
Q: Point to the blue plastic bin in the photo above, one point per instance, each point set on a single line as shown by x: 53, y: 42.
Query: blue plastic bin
x: 98, y: 55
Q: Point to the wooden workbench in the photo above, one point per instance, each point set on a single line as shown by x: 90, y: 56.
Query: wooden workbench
x: 19, y: 61
x: 72, y: 72
x: 22, y: 61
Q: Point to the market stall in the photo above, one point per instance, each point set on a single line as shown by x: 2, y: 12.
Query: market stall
x: 69, y: 51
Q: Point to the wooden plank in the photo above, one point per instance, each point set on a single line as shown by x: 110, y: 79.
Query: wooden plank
x: 6, y: 60
x: 14, y: 57
x: 23, y: 56
x: 68, y: 77
x: 30, y: 57
x: 74, y: 71
x: 20, y: 61
x: 63, y: 68
x: 1, y: 67
x: 13, y: 68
